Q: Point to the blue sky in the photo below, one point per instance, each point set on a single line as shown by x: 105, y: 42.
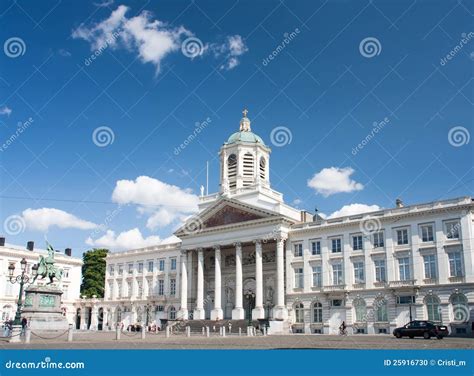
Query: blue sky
x: 322, y: 85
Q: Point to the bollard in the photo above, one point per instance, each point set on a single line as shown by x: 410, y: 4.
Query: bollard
x: 69, y: 333
x: 27, y: 334
x: 203, y: 331
x: 167, y: 332
x: 207, y: 331
x: 143, y: 333
x: 188, y: 331
x: 254, y: 331
x: 15, y: 334
x: 249, y: 331
x: 117, y: 333
x: 240, y: 332
x: 265, y: 330
x: 223, y: 331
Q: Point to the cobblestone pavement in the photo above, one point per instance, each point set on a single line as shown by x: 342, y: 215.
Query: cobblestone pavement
x: 106, y: 340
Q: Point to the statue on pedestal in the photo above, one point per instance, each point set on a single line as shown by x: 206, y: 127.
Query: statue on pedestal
x: 47, y: 269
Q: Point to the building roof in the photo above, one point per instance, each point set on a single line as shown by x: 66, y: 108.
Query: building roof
x: 245, y: 136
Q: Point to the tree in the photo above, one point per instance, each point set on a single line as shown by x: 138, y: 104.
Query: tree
x: 93, y: 272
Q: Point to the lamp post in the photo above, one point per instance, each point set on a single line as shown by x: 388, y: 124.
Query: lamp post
x: 21, y: 279
x: 249, y: 295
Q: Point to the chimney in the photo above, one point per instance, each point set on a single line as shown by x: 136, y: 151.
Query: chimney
x: 2, y: 242
x: 68, y: 251
x: 399, y: 203
x: 30, y: 245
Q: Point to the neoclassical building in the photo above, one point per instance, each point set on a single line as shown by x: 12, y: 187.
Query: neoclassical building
x: 249, y: 255
x: 13, y: 254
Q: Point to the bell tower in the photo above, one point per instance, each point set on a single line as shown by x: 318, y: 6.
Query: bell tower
x: 245, y: 161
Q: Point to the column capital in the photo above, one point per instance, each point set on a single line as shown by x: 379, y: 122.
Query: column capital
x: 200, y: 249
x: 238, y: 244
x: 281, y: 237
x: 257, y: 241
x: 184, y: 252
x: 217, y: 247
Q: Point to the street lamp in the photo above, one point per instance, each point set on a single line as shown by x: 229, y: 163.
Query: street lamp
x: 21, y: 279
x: 249, y: 295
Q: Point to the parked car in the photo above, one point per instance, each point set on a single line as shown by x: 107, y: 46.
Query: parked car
x: 420, y: 328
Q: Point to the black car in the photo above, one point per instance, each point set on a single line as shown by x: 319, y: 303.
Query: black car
x: 419, y: 328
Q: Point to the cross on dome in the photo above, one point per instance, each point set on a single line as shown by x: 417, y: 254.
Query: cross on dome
x: 245, y: 122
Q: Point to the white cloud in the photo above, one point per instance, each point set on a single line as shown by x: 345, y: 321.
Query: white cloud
x: 352, y: 209
x: 333, y: 180
x: 130, y: 239
x: 152, y: 39
x: 44, y: 218
x: 4, y: 110
x: 164, y: 203
x: 233, y: 47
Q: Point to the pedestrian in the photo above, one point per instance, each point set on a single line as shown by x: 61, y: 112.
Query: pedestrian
x: 24, y: 323
x: 230, y: 327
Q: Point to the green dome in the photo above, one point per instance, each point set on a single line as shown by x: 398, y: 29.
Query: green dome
x: 245, y: 136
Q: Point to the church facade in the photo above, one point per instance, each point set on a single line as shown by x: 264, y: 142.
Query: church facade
x: 249, y: 255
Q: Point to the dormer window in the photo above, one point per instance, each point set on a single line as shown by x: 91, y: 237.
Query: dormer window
x: 248, y: 169
x: 262, y: 166
x: 232, y: 171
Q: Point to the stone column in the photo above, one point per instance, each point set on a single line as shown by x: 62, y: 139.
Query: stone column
x: 280, y: 312
x: 216, y: 313
x: 183, y: 312
x: 258, y: 312
x: 199, y: 313
x: 238, y: 312
x: 94, y: 317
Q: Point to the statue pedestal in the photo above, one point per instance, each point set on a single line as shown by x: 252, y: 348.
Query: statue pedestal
x: 42, y: 309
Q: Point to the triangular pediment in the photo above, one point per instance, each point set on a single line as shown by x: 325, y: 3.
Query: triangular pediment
x: 223, y: 213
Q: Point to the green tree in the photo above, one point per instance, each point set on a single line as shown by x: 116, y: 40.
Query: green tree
x: 93, y: 272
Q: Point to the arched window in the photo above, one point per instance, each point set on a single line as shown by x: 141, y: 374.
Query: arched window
x: 432, y: 307
x: 172, y: 313
x: 299, y: 313
x: 460, y: 308
x: 262, y: 166
x: 248, y: 170
x: 380, y: 307
x: 360, y: 310
x: 232, y: 171
x: 317, y: 312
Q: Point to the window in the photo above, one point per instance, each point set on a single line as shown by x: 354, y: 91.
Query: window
x: 65, y: 295
x: 161, y: 264
x: 455, y: 264
x: 262, y: 168
x: 232, y: 171
x: 317, y: 276
x: 460, y: 308
x: 173, y: 264
x: 299, y: 283
x: 66, y: 273
x: 317, y: 312
x: 140, y: 288
x: 452, y: 229
x: 119, y: 290
x: 359, y: 272
x: 160, y: 308
x: 161, y: 287
x: 336, y: 302
x: 433, y: 309
x: 130, y: 268
x: 406, y: 299
x: 316, y: 247
x: 337, y: 274
x: 378, y: 239
x: 380, y: 274
x: 430, y: 266
x: 172, y: 313
x: 130, y: 289
x: 140, y: 267
x: 248, y: 170
x: 111, y: 270
x: 149, y: 283
x: 299, y: 313
x: 357, y: 244
x: 150, y: 266
x: 427, y: 233
x: 360, y: 310
x: 381, y: 310
x: 336, y: 245
x: 404, y: 268
x: 298, y: 250
x: 120, y: 269
x: 172, y: 286
x: 402, y: 236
